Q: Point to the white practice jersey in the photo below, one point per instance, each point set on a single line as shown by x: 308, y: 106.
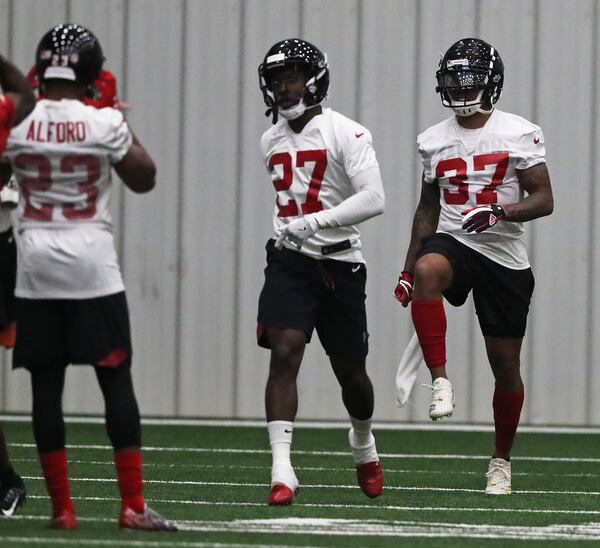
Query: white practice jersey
x: 62, y: 155
x: 477, y: 167
x: 311, y: 171
x: 5, y: 219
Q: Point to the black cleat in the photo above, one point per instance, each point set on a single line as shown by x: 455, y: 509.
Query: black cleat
x: 12, y: 495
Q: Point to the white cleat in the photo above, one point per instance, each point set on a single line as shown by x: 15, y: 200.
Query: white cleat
x: 498, y: 478
x: 442, y: 399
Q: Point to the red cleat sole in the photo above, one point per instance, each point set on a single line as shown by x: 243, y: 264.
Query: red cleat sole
x: 281, y: 495
x: 370, y: 478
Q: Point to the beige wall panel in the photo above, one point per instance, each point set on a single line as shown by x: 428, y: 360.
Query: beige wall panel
x: 592, y: 375
x: 153, y: 54
x: 208, y: 224
x: 193, y: 250
x: 561, y: 243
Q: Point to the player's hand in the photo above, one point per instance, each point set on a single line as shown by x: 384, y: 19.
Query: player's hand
x: 404, y: 289
x: 297, y: 232
x: 478, y: 219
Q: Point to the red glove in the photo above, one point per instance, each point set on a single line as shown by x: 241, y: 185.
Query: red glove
x: 103, y: 92
x: 32, y: 78
x: 404, y: 289
x: 481, y: 218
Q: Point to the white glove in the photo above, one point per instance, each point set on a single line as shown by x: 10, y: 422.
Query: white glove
x: 9, y: 194
x: 297, y: 232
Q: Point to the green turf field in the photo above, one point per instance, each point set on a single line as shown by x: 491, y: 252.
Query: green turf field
x: 214, y: 481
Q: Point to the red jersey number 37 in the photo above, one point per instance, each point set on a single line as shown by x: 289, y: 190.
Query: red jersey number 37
x: 312, y: 204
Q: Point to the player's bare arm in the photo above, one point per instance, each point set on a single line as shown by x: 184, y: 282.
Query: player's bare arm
x: 539, y: 201
x: 425, y: 221
x: 15, y: 86
x: 137, y: 169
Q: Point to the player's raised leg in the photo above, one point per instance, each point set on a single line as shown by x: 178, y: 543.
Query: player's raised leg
x: 281, y: 403
x: 509, y: 395
x: 433, y: 274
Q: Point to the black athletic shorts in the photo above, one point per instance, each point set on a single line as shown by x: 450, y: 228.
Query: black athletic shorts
x: 8, y: 273
x: 501, y: 295
x: 59, y: 332
x: 305, y: 293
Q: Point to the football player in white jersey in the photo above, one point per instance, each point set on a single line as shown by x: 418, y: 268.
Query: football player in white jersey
x: 71, y: 304
x: 327, y: 180
x: 484, y: 174
x: 16, y: 103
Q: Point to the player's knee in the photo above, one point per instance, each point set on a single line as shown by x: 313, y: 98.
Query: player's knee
x: 287, y: 348
x: 432, y: 272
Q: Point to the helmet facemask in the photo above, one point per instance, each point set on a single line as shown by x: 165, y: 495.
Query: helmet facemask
x: 465, y: 82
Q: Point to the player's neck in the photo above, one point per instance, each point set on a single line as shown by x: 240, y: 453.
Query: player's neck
x: 57, y: 90
x: 299, y: 124
x: 475, y: 121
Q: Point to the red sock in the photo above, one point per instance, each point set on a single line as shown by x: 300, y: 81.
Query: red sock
x: 131, y: 481
x: 429, y: 319
x: 55, y: 467
x: 507, y: 411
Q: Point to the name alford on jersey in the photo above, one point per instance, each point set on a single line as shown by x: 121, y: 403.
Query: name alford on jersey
x: 48, y: 131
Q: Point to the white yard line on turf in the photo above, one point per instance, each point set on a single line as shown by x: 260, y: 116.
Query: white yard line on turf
x: 331, y: 486
x: 63, y: 541
x: 321, y: 453
x: 243, y: 423
x: 369, y: 528
x: 388, y: 470
x: 394, y: 508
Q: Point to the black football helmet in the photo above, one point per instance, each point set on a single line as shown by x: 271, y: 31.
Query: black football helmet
x: 297, y: 54
x: 69, y: 52
x: 470, y: 64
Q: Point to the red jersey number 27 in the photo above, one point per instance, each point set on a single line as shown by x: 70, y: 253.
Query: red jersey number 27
x: 311, y: 204
x: 460, y: 196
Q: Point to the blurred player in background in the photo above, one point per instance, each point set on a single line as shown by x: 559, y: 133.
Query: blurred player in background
x: 71, y: 304
x: 484, y: 174
x: 327, y: 180
x: 16, y: 103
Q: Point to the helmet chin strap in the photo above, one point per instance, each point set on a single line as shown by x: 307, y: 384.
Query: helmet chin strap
x: 465, y: 109
x: 296, y: 111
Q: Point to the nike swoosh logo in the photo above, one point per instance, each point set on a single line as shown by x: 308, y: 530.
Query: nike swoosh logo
x: 287, y: 431
x: 10, y: 511
x: 355, y: 269
x: 359, y: 135
x: 536, y: 141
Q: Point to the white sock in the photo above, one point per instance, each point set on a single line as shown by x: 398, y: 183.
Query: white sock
x: 362, y: 441
x: 362, y: 431
x: 280, y: 437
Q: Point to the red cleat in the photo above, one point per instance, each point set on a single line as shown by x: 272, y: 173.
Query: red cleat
x: 370, y: 478
x: 281, y: 495
x: 148, y: 520
x: 66, y: 520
